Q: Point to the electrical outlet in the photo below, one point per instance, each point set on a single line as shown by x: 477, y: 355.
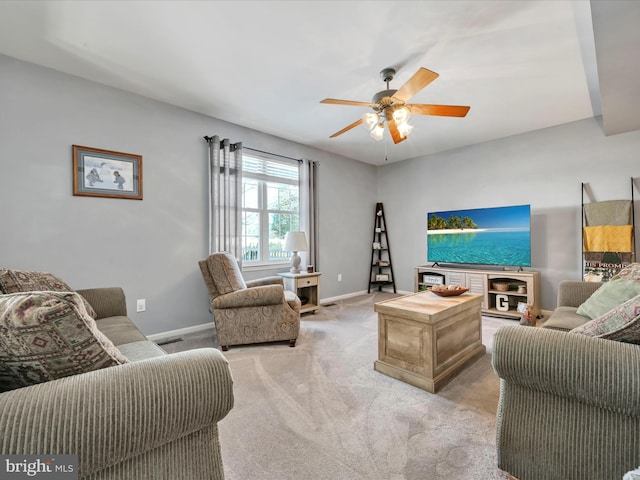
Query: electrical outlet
x: 141, y: 305
x: 339, y: 277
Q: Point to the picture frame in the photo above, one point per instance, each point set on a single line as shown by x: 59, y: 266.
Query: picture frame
x: 382, y: 277
x: 106, y: 173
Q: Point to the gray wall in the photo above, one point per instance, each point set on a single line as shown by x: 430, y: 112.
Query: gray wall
x: 543, y: 168
x: 149, y: 247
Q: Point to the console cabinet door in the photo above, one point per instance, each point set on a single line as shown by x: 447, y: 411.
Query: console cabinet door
x: 476, y: 283
x: 456, y: 278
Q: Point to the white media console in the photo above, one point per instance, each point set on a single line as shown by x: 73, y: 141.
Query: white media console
x: 515, y: 287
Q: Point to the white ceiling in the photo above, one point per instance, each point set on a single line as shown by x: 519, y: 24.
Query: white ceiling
x: 520, y: 65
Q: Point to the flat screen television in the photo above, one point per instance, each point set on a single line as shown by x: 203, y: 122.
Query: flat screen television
x: 481, y: 236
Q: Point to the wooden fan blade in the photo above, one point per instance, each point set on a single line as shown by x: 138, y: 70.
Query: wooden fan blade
x: 393, y: 130
x: 440, y: 110
x: 420, y: 79
x: 346, y: 102
x: 346, y: 129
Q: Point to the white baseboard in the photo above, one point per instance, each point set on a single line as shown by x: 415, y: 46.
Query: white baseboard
x: 163, y: 336
x: 341, y: 297
x: 349, y: 295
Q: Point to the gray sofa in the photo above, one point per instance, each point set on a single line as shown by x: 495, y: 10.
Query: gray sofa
x: 569, y: 404
x: 153, y: 418
x: 571, y: 294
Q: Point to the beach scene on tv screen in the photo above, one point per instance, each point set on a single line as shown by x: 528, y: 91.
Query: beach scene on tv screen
x: 486, y: 236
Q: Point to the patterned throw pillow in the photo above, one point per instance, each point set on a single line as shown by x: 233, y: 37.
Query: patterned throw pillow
x: 630, y: 272
x: 621, y: 324
x: 49, y: 335
x: 14, y: 281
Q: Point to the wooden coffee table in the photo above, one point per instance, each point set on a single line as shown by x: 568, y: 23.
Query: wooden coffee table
x: 426, y: 340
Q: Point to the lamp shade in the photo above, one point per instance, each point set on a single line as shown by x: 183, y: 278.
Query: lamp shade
x: 295, y: 242
x: 401, y: 115
x: 404, y: 129
x: 378, y: 132
x: 370, y: 120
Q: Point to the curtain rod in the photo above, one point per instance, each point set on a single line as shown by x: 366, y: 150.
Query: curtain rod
x: 299, y: 160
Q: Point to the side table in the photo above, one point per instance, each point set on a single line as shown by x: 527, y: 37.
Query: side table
x: 305, y: 285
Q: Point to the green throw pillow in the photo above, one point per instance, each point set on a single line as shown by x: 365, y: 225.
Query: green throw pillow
x: 608, y: 297
x: 621, y: 324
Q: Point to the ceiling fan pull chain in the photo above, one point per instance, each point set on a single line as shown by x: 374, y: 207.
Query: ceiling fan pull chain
x: 385, y: 149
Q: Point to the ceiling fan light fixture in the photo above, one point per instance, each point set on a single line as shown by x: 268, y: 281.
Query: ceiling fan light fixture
x: 390, y: 106
x: 378, y: 132
x: 404, y: 129
x: 401, y: 115
x: 370, y: 120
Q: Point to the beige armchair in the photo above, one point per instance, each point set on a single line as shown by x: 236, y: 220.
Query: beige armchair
x: 255, y: 311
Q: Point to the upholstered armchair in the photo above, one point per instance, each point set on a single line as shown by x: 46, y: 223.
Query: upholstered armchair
x: 255, y: 311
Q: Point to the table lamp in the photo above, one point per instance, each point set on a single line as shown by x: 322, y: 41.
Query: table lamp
x: 295, y: 242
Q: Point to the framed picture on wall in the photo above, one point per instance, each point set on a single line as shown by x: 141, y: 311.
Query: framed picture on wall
x: 105, y: 173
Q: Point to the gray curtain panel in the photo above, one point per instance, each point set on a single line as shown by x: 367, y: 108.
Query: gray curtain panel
x: 309, y: 208
x: 225, y: 196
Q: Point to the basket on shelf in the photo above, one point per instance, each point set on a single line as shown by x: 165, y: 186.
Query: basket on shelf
x: 500, y: 286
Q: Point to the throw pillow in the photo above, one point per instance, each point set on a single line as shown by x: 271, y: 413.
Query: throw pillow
x: 14, y: 281
x: 49, y: 335
x: 630, y: 272
x: 609, y: 296
x: 226, y: 273
x: 621, y: 324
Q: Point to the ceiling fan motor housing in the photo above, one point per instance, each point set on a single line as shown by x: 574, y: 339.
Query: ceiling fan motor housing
x: 387, y: 74
x: 383, y: 99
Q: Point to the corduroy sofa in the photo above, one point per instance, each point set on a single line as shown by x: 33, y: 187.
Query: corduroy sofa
x: 569, y: 404
x: 153, y: 418
x: 571, y: 294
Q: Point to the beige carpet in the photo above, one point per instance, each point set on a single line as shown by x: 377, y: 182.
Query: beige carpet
x: 319, y: 410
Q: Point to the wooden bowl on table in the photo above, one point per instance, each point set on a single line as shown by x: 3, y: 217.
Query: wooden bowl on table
x: 449, y: 292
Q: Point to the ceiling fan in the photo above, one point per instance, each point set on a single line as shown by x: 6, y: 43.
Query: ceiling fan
x: 391, y: 107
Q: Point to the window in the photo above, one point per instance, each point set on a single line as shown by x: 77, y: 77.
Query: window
x: 270, y: 208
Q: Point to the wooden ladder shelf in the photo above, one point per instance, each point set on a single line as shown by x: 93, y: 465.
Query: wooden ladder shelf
x: 381, y: 272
